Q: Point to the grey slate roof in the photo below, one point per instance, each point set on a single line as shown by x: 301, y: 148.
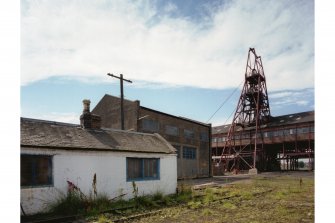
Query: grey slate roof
x: 48, y: 134
x: 284, y: 120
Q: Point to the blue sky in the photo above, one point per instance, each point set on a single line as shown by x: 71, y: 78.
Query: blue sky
x: 184, y: 57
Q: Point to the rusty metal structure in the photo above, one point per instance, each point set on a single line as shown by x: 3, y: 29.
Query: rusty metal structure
x: 252, y: 111
x: 255, y: 140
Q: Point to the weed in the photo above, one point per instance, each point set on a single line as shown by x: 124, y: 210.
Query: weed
x: 103, y: 219
x: 72, y: 203
x: 135, y: 189
x: 158, y: 196
x: 229, y: 205
x: 145, y: 201
x: 246, y: 195
x: 209, y: 195
x: 194, y: 204
x: 207, y: 212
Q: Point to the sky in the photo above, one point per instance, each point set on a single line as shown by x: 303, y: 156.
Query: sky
x: 184, y: 58
x: 54, y: 51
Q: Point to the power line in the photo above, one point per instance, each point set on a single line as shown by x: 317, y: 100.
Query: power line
x: 229, y: 117
x: 225, y: 101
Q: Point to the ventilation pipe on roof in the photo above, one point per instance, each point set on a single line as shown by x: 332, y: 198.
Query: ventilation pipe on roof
x: 87, y: 119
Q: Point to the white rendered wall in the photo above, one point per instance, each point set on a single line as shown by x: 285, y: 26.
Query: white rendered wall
x: 79, y: 167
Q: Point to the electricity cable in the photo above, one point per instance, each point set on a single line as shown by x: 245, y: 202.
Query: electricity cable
x: 225, y: 101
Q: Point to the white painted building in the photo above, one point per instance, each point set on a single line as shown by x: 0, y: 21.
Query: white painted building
x: 54, y: 153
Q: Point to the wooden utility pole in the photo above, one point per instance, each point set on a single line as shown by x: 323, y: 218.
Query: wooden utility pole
x: 121, y: 88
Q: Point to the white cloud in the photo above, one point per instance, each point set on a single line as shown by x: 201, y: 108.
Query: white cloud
x: 87, y: 39
x: 295, y: 98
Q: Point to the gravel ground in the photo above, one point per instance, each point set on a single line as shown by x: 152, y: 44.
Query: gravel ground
x: 221, y: 180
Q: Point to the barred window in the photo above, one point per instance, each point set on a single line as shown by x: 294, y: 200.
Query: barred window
x: 142, y: 169
x: 189, y: 152
x: 36, y: 170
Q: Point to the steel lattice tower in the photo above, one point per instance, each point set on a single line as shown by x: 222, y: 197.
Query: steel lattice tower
x: 252, y: 112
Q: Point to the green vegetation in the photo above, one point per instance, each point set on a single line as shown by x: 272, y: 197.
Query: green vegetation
x: 270, y: 199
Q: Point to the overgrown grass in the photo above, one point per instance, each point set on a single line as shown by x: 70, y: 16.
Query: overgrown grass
x: 270, y: 199
x: 277, y: 199
x: 75, y: 203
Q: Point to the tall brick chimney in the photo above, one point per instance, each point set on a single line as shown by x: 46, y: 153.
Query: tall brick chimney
x: 87, y: 119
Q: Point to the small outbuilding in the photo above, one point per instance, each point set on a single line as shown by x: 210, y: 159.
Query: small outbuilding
x: 55, y: 154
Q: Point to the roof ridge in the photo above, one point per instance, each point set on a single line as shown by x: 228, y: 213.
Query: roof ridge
x: 49, y: 122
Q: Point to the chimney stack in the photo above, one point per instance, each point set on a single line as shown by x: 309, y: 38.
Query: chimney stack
x: 87, y: 119
x: 86, y: 104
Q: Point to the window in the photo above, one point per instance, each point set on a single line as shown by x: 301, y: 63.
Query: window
x: 142, y: 169
x: 303, y: 130
x: 172, y: 130
x: 292, y: 131
x: 275, y: 133
x: 178, y: 150
x: 204, y: 136
x: 188, y: 134
x: 189, y: 152
x: 215, y: 139
x: 286, y: 132
x: 150, y: 125
x: 36, y: 170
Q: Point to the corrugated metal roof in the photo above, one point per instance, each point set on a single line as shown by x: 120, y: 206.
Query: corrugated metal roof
x: 283, y: 120
x: 48, y: 134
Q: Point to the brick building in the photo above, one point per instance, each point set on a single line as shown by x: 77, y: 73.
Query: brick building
x: 190, y: 138
x: 283, y: 142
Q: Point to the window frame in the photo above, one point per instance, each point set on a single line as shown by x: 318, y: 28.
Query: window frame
x: 189, y: 153
x: 150, y: 125
x: 171, y: 130
x: 204, y: 137
x: 33, y: 171
x: 143, y: 178
x: 189, y: 134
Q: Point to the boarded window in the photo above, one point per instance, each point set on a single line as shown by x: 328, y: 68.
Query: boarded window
x: 189, y: 152
x: 172, y: 130
x: 150, y: 125
x: 142, y: 169
x: 204, y: 137
x: 36, y: 170
x: 189, y: 134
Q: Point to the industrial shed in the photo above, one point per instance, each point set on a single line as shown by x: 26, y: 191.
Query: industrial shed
x: 190, y: 138
x: 54, y: 154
